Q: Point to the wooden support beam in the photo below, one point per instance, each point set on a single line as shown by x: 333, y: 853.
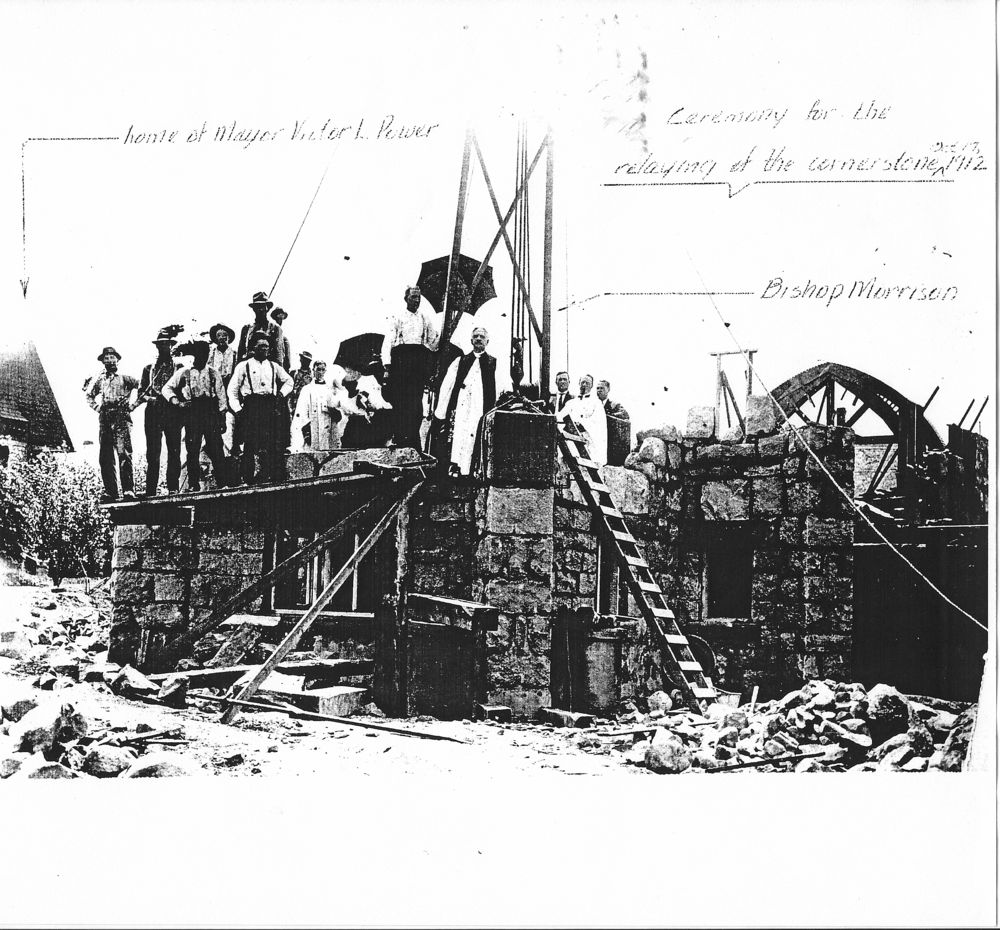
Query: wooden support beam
x: 510, y: 248
x: 510, y: 212
x: 732, y: 399
x: 218, y: 616
x: 858, y: 414
x: 333, y: 669
x: 546, y: 360
x: 300, y: 628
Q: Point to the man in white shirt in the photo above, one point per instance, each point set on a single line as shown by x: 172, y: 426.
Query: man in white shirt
x: 222, y: 357
x: 321, y: 412
x: 587, y: 413
x: 256, y: 395
x: 406, y: 353
x: 468, y: 392
x: 199, y: 391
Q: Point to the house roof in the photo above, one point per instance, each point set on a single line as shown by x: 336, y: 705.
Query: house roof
x: 26, y: 395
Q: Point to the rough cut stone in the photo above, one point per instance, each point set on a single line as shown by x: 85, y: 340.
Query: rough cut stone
x: 828, y: 532
x: 564, y: 718
x: 725, y: 500
x: 731, y: 434
x: 700, y: 423
x: 169, y: 588
x: 659, y: 701
x: 888, y: 712
x: 665, y: 433
x: 519, y: 511
x: 667, y: 755
x: 10, y: 762
x: 107, y: 761
x: 302, y: 465
x: 49, y: 723
x: 956, y: 747
x: 760, y: 417
x: 653, y: 450
x: 674, y: 456
x: 630, y: 490
x: 173, y: 692
x: 17, y: 698
x: 767, y: 496
x: 130, y: 682
x: 160, y: 765
x: 39, y: 767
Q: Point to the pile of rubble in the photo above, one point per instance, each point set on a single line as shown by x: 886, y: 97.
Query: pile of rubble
x: 46, y: 736
x: 826, y: 726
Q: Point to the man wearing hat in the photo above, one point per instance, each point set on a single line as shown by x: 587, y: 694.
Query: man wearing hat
x: 160, y: 421
x: 114, y: 434
x: 300, y: 379
x: 261, y: 324
x: 222, y: 357
x: 257, y: 395
x: 198, y: 391
x: 284, y: 358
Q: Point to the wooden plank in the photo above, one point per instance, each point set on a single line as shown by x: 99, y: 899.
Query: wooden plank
x: 300, y: 628
x: 221, y: 677
x: 144, y: 513
x: 249, y: 594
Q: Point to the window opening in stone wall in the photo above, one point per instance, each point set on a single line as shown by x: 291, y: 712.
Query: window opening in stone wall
x: 728, y: 572
x: 356, y: 596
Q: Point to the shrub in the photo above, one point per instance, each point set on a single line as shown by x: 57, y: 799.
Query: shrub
x: 49, y: 511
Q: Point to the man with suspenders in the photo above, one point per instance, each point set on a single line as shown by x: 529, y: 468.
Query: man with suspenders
x: 257, y: 388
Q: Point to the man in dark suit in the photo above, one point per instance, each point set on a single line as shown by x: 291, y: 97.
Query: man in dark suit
x: 562, y: 396
x: 161, y: 421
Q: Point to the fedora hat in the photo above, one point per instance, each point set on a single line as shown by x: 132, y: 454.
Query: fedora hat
x: 276, y: 311
x: 307, y: 355
x: 260, y: 300
x: 224, y: 328
x: 109, y: 350
x: 165, y: 335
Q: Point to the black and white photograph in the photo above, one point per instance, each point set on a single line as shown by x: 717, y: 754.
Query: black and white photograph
x: 498, y: 464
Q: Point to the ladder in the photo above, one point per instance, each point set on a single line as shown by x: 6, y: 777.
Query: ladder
x: 673, y: 644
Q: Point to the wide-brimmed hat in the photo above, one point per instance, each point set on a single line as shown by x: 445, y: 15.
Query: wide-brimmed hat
x: 109, y: 349
x: 260, y: 300
x: 165, y: 335
x: 276, y: 311
x: 307, y: 355
x: 224, y: 328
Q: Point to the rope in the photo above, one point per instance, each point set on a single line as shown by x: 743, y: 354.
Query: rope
x: 850, y: 500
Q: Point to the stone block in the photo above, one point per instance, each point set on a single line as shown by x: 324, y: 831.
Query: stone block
x: 822, y: 588
x: 700, y: 423
x: 169, y: 558
x: 519, y: 597
x: 132, y: 535
x: 665, y: 433
x: 790, y: 531
x: 803, y: 497
x: 303, y: 465
x: 731, y: 434
x: 170, y: 588
x: 828, y: 532
x: 761, y: 417
x: 772, y: 447
x: 182, y: 536
x: 520, y: 448
x: 652, y: 450
x: 222, y: 563
x: 163, y: 617
x: 131, y: 587
x: 231, y: 541
x: 126, y: 557
x: 767, y: 496
x: 828, y: 618
x: 725, y: 500
x: 630, y: 490
x: 674, y: 456
x: 519, y: 511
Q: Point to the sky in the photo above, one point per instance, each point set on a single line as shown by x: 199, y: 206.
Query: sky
x: 120, y: 238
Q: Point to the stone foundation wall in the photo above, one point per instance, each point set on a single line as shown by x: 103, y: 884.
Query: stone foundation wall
x: 165, y: 578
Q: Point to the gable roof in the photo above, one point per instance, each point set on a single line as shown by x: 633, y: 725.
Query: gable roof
x: 28, y: 408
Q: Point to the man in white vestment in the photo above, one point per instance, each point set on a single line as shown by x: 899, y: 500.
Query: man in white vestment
x: 468, y: 392
x: 587, y: 412
x: 320, y: 413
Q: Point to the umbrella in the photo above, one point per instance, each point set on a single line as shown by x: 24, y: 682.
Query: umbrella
x: 434, y: 273
x: 357, y: 352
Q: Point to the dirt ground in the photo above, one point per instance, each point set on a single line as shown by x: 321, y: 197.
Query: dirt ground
x: 262, y: 744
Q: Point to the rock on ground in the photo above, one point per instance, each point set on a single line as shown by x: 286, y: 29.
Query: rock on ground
x: 49, y: 723
x: 107, y: 761
x: 160, y: 765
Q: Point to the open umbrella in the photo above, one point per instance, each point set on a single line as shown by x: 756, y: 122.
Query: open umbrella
x: 358, y: 352
x: 434, y: 273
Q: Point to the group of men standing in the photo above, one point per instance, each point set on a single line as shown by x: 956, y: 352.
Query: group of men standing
x: 244, y: 408
x: 590, y: 410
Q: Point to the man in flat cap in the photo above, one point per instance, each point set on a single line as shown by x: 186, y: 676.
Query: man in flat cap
x: 160, y: 421
x: 109, y: 394
x: 257, y: 395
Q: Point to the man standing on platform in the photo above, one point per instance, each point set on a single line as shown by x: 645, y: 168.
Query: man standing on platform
x: 562, y: 396
x: 321, y: 412
x: 199, y: 392
x: 222, y: 357
x: 300, y: 378
x: 284, y: 347
x: 406, y: 353
x: 115, y: 431
x: 257, y: 395
x: 611, y: 407
x: 261, y: 324
x: 468, y: 392
x: 587, y: 413
x: 160, y: 420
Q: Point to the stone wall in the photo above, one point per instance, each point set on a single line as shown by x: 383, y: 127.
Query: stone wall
x: 165, y: 578
x: 686, y: 496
